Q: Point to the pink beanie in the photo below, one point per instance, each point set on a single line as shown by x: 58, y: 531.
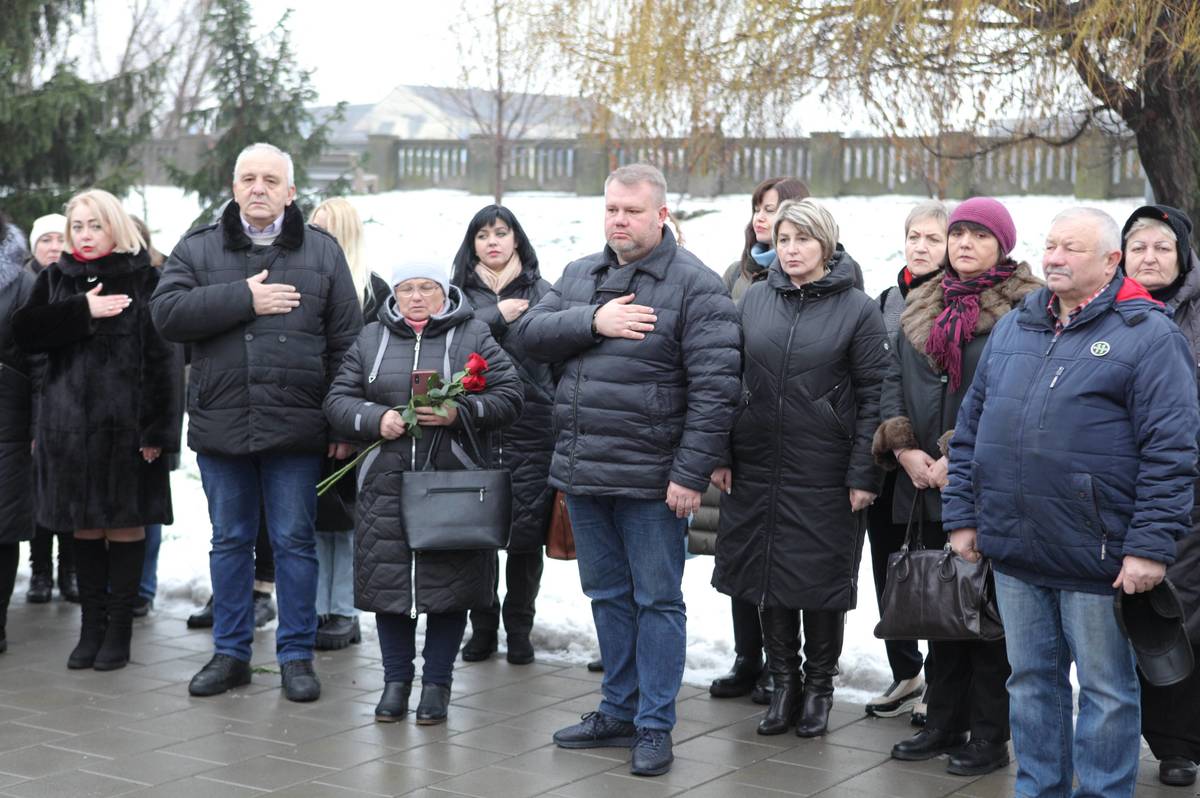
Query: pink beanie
x: 992, y: 215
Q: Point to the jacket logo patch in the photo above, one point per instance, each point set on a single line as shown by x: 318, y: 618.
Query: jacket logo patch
x: 1101, y: 348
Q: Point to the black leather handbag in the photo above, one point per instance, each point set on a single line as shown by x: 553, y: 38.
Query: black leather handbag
x: 933, y: 594
x: 456, y: 510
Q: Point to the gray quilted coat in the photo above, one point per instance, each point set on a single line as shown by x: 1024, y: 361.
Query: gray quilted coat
x: 388, y: 577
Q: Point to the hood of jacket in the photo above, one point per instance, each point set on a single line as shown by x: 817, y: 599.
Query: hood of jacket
x: 455, y: 312
x: 927, y: 301
x: 1124, y: 296
x: 840, y: 277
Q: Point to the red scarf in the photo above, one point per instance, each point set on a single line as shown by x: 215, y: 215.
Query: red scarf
x: 79, y: 256
x: 955, y: 326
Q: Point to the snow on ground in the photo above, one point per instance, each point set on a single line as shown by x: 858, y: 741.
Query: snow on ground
x: 562, y: 227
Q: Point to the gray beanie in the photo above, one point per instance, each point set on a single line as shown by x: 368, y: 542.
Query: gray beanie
x: 417, y: 269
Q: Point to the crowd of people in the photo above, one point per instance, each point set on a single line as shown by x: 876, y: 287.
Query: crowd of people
x: 778, y: 411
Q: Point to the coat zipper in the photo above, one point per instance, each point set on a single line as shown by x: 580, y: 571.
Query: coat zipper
x: 1049, y: 393
x: 416, y: 364
x: 782, y: 382
x: 1100, y: 521
x: 412, y: 555
x: 1021, y: 426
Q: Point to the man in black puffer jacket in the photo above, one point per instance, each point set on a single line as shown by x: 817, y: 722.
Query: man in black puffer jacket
x: 269, y: 307
x: 642, y: 413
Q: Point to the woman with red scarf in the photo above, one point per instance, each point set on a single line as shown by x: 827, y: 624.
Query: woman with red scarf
x: 943, y: 329
x: 106, y: 414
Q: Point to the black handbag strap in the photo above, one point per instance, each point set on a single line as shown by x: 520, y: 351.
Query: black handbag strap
x: 915, y: 513
x: 475, y: 464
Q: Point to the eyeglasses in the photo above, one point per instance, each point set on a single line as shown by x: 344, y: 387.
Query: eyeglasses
x: 426, y: 289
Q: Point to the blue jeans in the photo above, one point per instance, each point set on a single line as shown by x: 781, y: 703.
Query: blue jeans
x: 398, y: 645
x: 631, y: 566
x: 284, y: 486
x: 335, y: 573
x: 1047, y: 629
x: 148, y: 588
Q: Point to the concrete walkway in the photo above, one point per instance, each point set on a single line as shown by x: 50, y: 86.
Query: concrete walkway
x: 136, y: 732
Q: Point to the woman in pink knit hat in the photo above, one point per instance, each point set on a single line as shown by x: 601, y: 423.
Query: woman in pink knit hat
x: 943, y: 329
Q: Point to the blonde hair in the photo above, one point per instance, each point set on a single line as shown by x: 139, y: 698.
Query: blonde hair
x: 113, y: 217
x: 813, y: 220
x: 634, y: 173
x: 1157, y: 225
x: 926, y: 209
x: 342, y: 221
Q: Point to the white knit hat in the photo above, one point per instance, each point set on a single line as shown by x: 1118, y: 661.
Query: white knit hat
x: 50, y: 223
x: 428, y: 270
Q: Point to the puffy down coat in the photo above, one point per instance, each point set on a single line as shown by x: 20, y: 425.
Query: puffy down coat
x: 16, y: 409
x: 388, y: 577
x: 814, y: 360
x: 1072, y: 451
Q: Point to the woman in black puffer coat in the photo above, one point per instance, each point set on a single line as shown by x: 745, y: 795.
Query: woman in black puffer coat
x: 497, y: 269
x: 16, y: 416
x: 792, y: 528
x: 425, y: 325
x: 107, y: 413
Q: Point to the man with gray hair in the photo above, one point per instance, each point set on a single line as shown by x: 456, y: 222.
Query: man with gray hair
x: 649, y: 342
x: 1071, y: 467
x: 269, y: 308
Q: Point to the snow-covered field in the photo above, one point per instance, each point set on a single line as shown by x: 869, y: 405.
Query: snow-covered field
x: 562, y: 227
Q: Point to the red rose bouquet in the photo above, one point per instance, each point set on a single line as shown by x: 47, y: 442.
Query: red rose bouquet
x: 439, y: 397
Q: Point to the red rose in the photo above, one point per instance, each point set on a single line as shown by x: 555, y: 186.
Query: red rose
x: 474, y: 383
x: 476, y: 365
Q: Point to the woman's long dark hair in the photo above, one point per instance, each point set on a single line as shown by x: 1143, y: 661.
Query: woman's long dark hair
x: 787, y: 188
x: 465, y: 260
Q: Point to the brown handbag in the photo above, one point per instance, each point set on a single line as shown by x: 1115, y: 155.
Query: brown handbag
x: 560, y: 540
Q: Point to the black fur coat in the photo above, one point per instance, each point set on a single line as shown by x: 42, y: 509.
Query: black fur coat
x: 110, y: 386
x: 16, y: 391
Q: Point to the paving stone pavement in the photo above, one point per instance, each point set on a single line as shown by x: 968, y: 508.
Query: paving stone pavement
x: 136, y: 732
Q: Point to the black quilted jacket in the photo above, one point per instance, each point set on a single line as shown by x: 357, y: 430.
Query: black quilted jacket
x: 387, y: 577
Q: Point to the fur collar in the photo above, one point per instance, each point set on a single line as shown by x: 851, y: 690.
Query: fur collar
x: 290, y: 237
x: 926, y: 302
x: 12, y: 254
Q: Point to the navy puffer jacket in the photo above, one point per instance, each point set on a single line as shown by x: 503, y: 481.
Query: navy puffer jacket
x: 631, y: 416
x: 1071, y: 453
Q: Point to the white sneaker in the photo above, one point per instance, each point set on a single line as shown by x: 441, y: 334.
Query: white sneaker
x: 901, y: 697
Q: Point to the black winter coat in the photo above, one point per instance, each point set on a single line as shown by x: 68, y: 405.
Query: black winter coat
x: 525, y: 447
x: 632, y: 416
x: 917, y: 408
x: 257, y: 382
x: 814, y: 360
x: 16, y: 410
x: 108, y: 387
x: 387, y: 577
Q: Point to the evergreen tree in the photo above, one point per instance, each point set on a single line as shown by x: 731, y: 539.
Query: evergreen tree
x: 262, y: 95
x: 62, y: 134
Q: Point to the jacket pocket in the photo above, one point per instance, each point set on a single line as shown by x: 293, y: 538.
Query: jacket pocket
x: 1087, y: 504
x: 827, y: 411
x: 196, y: 383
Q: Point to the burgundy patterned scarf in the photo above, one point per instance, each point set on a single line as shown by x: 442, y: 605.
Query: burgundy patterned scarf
x: 955, y: 325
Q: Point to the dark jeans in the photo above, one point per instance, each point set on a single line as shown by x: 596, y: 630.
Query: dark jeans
x: 523, y: 579
x: 967, y: 689
x: 747, y: 629
x: 904, y: 657
x: 240, y: 491
x: 40, y: 562
x: 1171, y: 715
x: 398, y: 644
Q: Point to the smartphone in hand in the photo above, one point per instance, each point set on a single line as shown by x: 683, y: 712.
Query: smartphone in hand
x: 420, y: 381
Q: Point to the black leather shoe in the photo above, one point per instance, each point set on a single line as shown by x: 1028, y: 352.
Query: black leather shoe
x: 222, y: 673
x: 1177, y: 771
x: 739, y: 681
x: 520, y: 649
x: 652, y: 755
x: 393, y: 706
x: 814, y: 718
x: 300, y: 682
x: 597, y: 730
x: 480, y: 647
x: 977, y: 758
x: 203, y: 618
x: 785, y: 703
x: 142, y: 606
x: 596, y: 666
x: 337, y: 632
x: 68, y: 587
x: 435, y: 700
x: 761, y: 694
x: 928, y: 743
x: 41, y: 589
x: 264, y: 609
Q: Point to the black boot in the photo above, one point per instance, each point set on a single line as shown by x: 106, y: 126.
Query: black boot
x: 124, y: 574
x: 823, y: 631
x: 481, y: 646
x: 202, y: 618
x: 739, y: 681
x: 761, y: 694
x: 780, y: 627
x: 68, y: 588
x: 393, y: 705
x: 435, y: 699
x: 520, y: 648
x: 91, y: 570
